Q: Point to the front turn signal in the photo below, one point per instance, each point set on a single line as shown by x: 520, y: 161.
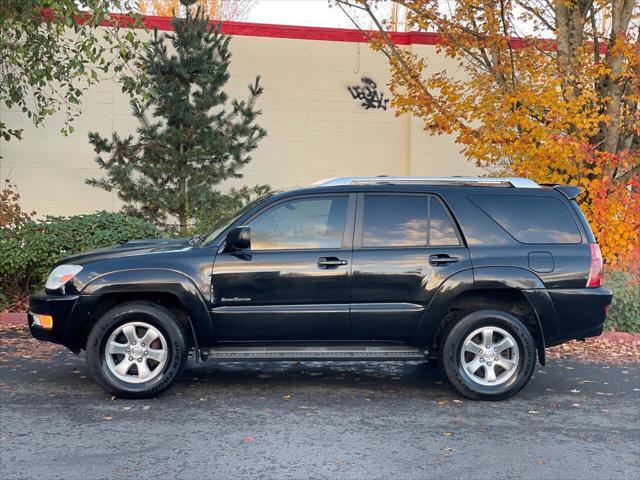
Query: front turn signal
x: 43, y: 321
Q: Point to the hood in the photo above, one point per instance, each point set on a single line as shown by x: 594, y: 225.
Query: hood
x: 134, y: 247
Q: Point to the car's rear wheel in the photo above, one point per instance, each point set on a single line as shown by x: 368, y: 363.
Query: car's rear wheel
x: 488, y: 354
x: 137, y: 350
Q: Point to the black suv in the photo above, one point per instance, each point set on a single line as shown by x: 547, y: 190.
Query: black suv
x: 479, y: 273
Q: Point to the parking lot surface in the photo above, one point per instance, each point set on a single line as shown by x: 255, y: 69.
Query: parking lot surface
x: 313, y: 420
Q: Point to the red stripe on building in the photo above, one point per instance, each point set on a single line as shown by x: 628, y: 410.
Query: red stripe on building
x: 294, y: 31
x: 298, y: 32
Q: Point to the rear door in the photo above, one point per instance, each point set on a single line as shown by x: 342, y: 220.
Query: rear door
x: 405, y: 246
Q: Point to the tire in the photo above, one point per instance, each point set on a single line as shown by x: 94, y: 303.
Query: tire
x: 464, y: 349
x: 122, y: 363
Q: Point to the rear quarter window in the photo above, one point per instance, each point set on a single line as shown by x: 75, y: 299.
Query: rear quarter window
x: 530, y: 219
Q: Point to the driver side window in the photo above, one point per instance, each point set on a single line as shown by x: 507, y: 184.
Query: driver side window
x: 307, y: 223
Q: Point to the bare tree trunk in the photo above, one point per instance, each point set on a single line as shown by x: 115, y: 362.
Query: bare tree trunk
x: 612, y: 87
x: 570, y: 21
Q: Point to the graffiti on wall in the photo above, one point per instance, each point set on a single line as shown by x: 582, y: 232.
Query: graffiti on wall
x: 368, y: 94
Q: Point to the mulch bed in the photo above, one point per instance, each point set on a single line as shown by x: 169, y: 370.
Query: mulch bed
x: 610, y: 347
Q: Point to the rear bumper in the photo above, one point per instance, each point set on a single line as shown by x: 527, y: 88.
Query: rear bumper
x: 59, y: 307
x: 581, y: 312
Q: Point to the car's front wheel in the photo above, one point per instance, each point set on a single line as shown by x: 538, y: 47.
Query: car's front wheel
x: 488, y: 354
x: 137, y: 350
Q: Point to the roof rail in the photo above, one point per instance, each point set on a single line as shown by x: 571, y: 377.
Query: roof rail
x: 514, y: 182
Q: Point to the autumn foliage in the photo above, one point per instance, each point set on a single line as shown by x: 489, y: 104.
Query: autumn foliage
x: 12, y: 217
x: 548, y: 90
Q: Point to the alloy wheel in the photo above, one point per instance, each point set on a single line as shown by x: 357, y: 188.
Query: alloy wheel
x: 136, y: 352
x: 489, y: 356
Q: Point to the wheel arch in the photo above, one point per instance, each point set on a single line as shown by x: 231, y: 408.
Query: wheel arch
x: 513, y: 289
x: 510, y: 300
x: 172, y: 290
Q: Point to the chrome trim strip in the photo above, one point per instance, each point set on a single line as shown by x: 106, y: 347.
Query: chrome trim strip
x: 320, y: 308
x: 386, y: 307
x: 284, y: 309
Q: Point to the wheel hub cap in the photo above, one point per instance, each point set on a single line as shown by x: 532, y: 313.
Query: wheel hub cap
x: 137, y: 352
x: 489, y: 356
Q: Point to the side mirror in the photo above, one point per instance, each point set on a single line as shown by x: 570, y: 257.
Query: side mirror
x: 238, y: 239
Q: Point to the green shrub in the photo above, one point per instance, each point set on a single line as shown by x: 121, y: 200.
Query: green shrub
x: 28, y: 254
x: 624, y: 313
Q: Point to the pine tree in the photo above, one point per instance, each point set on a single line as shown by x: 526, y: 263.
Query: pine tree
x: 196, y: 137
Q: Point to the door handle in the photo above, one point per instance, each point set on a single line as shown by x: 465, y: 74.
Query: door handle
x: 441, y: 259
x: 331, y: 262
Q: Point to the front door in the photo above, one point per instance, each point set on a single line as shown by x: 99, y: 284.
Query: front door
x: 293, y: 283
x: 405, y: 246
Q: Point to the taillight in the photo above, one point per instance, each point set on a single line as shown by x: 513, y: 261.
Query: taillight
x: 595, y: 271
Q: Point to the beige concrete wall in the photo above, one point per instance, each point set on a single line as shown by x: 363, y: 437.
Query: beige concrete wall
x: 315, y: 128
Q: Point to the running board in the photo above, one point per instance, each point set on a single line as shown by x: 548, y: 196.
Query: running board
x: 334, y: 353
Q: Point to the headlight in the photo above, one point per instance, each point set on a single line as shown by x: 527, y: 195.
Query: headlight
x: 61, y: 275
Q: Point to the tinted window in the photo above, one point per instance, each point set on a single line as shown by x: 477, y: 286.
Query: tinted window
x: 441, y: 231
x: 403, y: 221
x: 395, y: 221
x: 531, y: 219
x: 305, y: 223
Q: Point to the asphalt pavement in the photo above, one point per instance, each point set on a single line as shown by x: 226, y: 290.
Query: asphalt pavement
x: 316, y: 420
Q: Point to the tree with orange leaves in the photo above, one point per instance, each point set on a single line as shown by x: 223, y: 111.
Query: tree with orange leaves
x: 551, y: 91
x: 215, y: 9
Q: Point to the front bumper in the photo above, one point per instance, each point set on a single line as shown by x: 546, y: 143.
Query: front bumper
x: 581, y: 312
x: 59, y: 307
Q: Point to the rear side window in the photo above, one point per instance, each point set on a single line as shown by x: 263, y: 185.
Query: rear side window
x: 530, y: 219
x: 441, y: 232
x: 405, y: 221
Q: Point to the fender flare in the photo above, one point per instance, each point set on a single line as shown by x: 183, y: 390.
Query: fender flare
x: 439, y: 305
x: 156, y: 280
x: 488, y: 278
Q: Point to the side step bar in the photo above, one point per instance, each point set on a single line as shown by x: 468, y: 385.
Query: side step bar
x: 334, y: 353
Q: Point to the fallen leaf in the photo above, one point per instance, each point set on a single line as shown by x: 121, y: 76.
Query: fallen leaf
x: 122, y: 470
x: 248, y: 439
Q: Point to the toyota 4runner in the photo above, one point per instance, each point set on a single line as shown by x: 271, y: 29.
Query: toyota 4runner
x: 479, y: 273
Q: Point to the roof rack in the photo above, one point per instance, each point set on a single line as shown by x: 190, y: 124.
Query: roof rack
x: 514, y: 182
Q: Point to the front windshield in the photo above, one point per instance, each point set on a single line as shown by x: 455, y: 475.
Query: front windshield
x: 223, y: 223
